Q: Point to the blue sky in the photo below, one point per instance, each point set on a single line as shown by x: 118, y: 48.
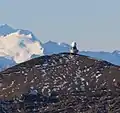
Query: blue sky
x: 93, y: 24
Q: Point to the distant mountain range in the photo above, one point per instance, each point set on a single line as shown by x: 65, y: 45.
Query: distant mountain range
x: 18, y: 45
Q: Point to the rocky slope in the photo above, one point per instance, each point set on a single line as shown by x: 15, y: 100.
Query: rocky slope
x: 66, y: 83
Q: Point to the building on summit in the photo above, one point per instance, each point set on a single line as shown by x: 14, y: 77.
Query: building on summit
x: 74, y: 48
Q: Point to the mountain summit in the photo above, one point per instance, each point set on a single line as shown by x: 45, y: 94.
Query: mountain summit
x: 6, y: 29
x: 18, y: 44
x: 65, y: 83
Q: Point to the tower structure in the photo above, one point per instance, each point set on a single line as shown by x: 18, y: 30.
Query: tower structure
x: 74, y: 48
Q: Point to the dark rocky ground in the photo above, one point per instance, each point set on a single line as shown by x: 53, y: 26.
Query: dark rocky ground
x: 66, y: 83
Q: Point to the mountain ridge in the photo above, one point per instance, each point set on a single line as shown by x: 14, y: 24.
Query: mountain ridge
x: 23, y: 44
x: 82, y: 84
x: 27, y: 46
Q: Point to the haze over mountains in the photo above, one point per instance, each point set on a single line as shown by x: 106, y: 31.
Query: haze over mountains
x: 17, y: 45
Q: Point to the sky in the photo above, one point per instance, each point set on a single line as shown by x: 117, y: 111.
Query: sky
x: 93, y: 24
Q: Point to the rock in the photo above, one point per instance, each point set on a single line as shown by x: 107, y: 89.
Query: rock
x: 69, y: 83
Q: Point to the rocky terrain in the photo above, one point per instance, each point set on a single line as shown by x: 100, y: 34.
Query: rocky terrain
x: 20, y: 45
x: 66, y: 83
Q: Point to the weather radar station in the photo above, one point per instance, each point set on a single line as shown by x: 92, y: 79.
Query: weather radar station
x: 74, y: 48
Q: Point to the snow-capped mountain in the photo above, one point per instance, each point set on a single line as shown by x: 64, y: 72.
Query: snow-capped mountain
x: 18, y: 44
x: 21, y: 45
x: 5, y: 30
